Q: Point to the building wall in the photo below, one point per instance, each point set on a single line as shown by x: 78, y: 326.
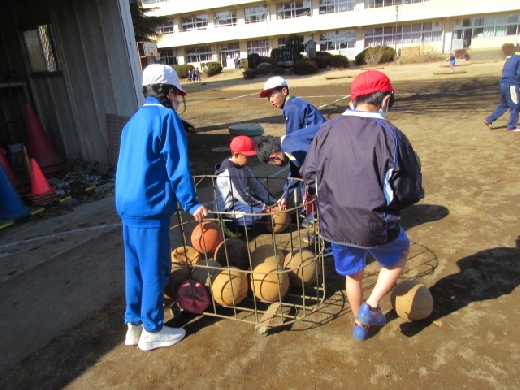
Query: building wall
x: 98, y: 69
x: 442, y: 12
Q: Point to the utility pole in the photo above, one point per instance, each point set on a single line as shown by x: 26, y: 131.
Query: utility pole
x: 395, y: 35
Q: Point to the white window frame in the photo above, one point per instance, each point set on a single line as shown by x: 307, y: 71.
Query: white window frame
x: 194, y: 22
x: 166, y: 28
x: 168, y: 56
x: 336, y: 6
x: 198, y: 54
x: 337, y: 40
x: 225, y: 18
x: 260, y: 46
x: 293, y: 9
x: 230, y: 49
x: 256, y: 14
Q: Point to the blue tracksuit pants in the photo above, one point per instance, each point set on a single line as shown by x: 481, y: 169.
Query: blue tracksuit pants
x: 509, y: 99
x: 147, y: 269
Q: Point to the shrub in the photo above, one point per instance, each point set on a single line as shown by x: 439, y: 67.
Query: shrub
x: 211, y: 68
x: 182, y: 70
x: 323, y: 54
x: 338, y: 62
x: 253, y: 59
x: 508, y: 49
x: 263, y: 69
x: 278, y: 71
x: 321, y: 62
x: 375, y: 55
x: 269, y: 60
x: 306, y: 67
x: 249, y: 74
x: 461, y: 54
x: 244, y: 63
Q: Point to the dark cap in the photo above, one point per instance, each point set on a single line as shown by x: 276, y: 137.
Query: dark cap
x: 243, y: 145
x: 369, y: 82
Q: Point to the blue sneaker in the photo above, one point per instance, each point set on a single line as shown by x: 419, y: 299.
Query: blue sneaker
x: 365, y: 316
x: 360, y: 332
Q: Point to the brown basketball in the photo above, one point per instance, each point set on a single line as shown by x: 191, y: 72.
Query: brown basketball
x: 185, y: 255
x: 233, y: 252
x: 269, y: 283
x: 229, y: 286
x: 278, y: 221
x: 303, y: 266
x: 206, y: 237
x: 411, y: 300
x: 204, y: 270
x: 267, y: 253
x: 179, y: 274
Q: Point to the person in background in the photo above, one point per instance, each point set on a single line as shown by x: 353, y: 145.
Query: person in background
x: 153, y: 175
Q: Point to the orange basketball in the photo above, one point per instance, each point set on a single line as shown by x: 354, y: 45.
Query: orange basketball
x: 303, y: 266
x: 206, y: 237
x: 229, y: 286
x: 267, y: 253
x: 269, y: 282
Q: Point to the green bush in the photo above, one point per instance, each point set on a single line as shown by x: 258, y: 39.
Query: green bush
x: 211, y: 68
x: 182, y: 70
x: 249, y: 74
x: 508, y: 49
x: 323, y: 54
x: 269, y: 60
x: 305, y: 67
x: 338, y: 62
x: 321, y: 62
x: 461, y: 54
x: 253, y: 59
x: 375, y: 55
x: 263, y: 69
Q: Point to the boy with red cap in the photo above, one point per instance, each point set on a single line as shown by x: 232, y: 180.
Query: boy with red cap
x: 237, y: 188
x: 364, y: 171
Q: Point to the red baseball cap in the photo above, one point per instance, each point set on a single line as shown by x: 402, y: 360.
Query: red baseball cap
x: 369, y: 82
x: 243, y: 145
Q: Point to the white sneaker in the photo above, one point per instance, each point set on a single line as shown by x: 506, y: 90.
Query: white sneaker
x: 132, y: 334
x: 164, y: 338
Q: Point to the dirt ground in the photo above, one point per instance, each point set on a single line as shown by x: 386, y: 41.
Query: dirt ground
x: 61, y: 312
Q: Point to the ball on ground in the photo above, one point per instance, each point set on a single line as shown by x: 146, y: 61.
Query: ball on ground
x: 204, y: 270
x: 411, y: 300
x: 185, y: 255
x: 179, y: 274
x: 206, y: 237
x: 233, y: 252
x: 229, y: 286
x: 192, y: 296
x: 267, y: 253
x: 269, y: 282
x: 303, y: 267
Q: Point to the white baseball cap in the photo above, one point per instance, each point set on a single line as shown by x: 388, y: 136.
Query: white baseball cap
x: 271, y: 84
x: 162, y: 74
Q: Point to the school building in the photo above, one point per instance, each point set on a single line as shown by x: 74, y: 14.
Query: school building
x: 222, y: 30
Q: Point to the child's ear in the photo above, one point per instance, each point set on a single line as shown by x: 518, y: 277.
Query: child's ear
x: 284, y: 91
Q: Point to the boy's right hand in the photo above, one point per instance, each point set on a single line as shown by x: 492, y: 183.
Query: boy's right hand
x: 200, y: 213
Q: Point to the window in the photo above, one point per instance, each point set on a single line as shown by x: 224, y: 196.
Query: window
x: 225, y: 18
x: 260, y: 46
x: 166, y: 28
x: 293, y: 9
x: 195, y: 22
x: 488, y: 27
x: 416, y: 33
x: 335, y: 6
x: 198, y: 54
x: 168, y: 56
x: 390, y: 3
x: 230, y: 50
x: 336, y: 40
x: 40, y: 50
x: 256, y: 14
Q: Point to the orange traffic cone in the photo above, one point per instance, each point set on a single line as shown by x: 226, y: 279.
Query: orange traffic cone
x: 39, y: 144
x: 39, y: 184
x: 8, y: 170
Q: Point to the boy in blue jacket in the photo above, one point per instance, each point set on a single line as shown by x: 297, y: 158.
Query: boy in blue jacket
x: 153, y: 174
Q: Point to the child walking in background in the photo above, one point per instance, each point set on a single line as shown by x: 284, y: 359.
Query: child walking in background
x: 452, y: 62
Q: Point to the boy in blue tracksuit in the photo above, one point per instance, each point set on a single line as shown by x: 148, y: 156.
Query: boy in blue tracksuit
x: 153, y: 174
x: 297, y: 113
x: 509, y: 94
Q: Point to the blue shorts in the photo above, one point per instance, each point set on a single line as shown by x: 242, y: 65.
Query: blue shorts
x: 350, y: 259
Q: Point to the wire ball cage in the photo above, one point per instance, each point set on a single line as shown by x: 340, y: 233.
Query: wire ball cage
x: 268, y: 274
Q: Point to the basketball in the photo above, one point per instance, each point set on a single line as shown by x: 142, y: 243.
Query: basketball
x: 229, y: 287
x: 193, y: 297
x: 233, y: 252
x: 302, y: 266
x: 206, y: 237
x: 278, y: 221
x: 185, y: 255
x: 269, y: 283
x: 411, y: 300
x: 204, y: 270
x: 267, y: 253
x: 179, y: 274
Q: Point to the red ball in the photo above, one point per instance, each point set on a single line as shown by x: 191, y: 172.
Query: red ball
x: 206, y: 237
x: 193, y: 297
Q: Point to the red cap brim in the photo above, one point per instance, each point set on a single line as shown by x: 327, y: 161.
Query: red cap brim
x: 264, y: 93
